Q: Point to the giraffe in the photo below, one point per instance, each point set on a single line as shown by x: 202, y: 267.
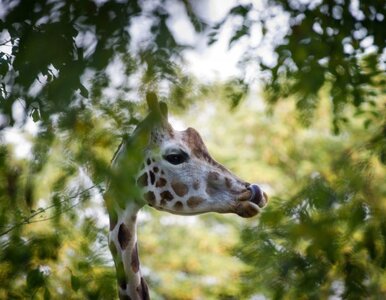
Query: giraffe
x: 174, y: 173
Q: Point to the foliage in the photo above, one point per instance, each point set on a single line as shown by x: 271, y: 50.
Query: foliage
x: 39, y: 260
x: 56, y: 45
x: 188, y: 257
x: 334, y: 44
x: 323, y: 234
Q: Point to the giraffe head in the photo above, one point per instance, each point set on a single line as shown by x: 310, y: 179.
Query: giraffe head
x: 180, y: 176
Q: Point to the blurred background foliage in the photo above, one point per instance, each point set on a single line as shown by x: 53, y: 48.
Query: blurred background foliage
x: 316, y: 143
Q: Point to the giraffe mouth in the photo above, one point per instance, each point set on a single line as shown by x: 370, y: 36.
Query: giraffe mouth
x: 258, y: 197
x: 251, y: 201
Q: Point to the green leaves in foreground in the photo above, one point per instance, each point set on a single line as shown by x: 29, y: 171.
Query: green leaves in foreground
x: 329, y: 239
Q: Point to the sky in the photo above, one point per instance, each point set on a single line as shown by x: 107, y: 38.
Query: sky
x: 216, y: 62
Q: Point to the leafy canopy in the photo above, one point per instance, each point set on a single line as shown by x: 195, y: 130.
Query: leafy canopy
x: 78, y: 68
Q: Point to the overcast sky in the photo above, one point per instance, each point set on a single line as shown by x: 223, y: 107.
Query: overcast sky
x: 208, y: 63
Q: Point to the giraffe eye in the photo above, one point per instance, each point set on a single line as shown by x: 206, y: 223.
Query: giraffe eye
x: 176, y: 158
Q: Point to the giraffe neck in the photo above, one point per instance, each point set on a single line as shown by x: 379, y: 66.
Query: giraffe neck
x: 123, y: 246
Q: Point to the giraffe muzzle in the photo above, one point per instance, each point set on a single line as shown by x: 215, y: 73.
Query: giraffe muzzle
x: 258, y: 197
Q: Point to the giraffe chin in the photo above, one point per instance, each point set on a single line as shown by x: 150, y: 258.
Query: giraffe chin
x: 247, y: 209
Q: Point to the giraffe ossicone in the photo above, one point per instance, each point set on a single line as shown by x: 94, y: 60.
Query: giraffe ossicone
x: 177, y: 175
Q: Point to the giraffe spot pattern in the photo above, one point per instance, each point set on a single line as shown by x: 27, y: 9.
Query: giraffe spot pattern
x: 180, y: 188
x: 161, y: 182
x: 150, y: 197
x: 194, y: 201
x: 148, y: 161
x: 211, y: 190
x: 178, y: 205
x: 124, y: 236
x: 166, y: 195
x: 143, y: 290
x: 228, y: 182
x: 135, y: 259
x: 142, y: 180
x: 152, y: 177
x: 212, y: 186
x: 213, y: 176
x: 155, y: 169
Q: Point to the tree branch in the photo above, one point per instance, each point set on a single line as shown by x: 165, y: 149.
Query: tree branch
x: 29, y: 219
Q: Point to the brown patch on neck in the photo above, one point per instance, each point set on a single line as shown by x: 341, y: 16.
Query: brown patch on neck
x: 152, y: 177
x: 166, y: 195
x: 178, y: 205
x: 124, y: 236
x: 194, y: 201
x: 180, y: 188
x: 135, y: 259
x: 161, y: 182
x: 149, y: 197
x: 143, y: 290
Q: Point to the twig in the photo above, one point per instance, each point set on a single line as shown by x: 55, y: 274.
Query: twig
x: 29, y: 220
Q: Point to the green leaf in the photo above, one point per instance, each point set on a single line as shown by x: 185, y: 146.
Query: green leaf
x: 244, y: 30
x: 35, y: 115
x: 241, y: 10
x: 47, y: 294
x: 83, y: 91
x: 75, y: 282
x: 35, y: 279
